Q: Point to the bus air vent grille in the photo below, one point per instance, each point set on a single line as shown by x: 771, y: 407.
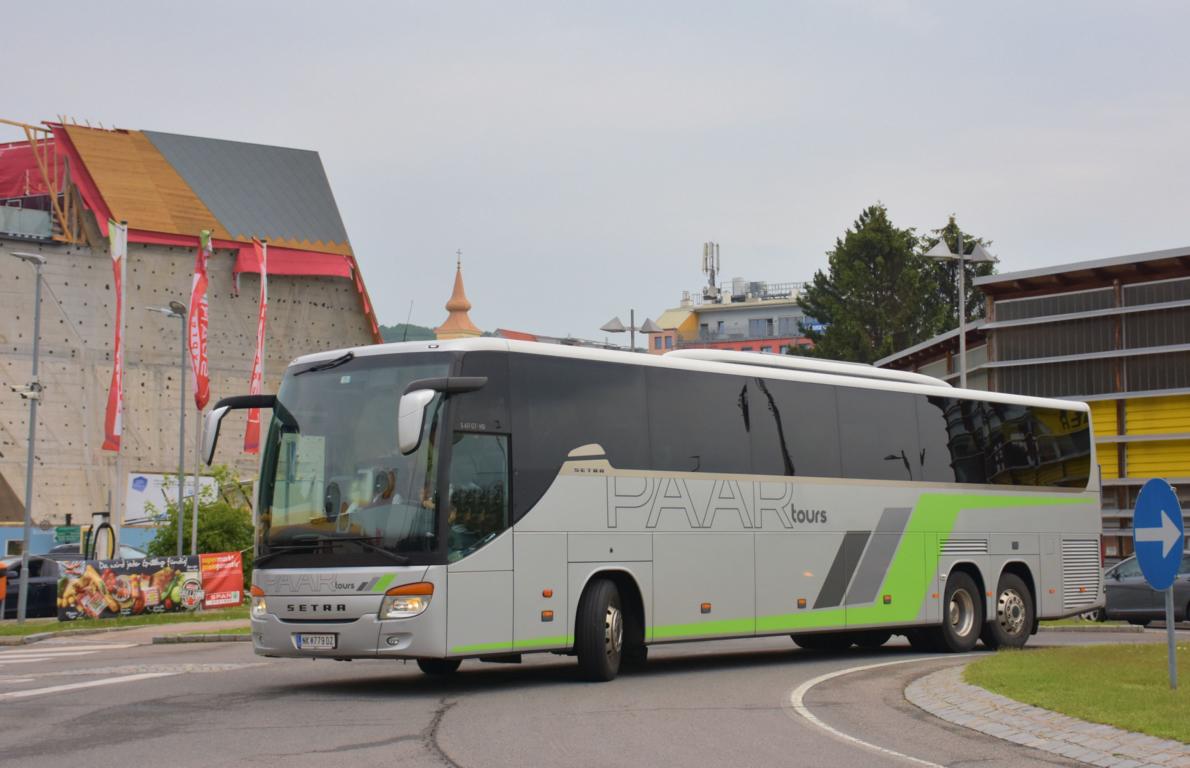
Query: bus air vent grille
x: 1080, y: 573
x: 953, y: 546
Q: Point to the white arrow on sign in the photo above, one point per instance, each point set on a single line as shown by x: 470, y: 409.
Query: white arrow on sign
x: 1168, y: 534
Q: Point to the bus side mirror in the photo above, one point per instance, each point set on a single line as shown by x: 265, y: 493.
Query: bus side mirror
x: 210, y: 425
x: 411, y: 416
x: 210, y: 432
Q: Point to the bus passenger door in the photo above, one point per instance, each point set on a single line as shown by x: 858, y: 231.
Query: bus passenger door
x: 479, y: 584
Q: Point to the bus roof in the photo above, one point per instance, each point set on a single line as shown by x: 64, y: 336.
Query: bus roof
x: 829, y: 372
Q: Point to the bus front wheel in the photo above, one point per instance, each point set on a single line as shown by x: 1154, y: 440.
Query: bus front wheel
x: 438, y: 667
x: 962, y: 616
x: 599, y: 631
x: 1013, y: 622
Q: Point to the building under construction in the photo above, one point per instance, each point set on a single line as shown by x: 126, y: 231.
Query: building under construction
x: 58, y: 189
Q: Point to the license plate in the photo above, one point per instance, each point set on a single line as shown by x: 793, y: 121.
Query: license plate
x: 315, y: 642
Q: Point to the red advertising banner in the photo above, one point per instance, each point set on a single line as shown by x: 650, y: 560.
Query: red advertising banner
x: 113, y: 420
x: 256, y: 383
x: 222, y: 579
x: 198, y: 323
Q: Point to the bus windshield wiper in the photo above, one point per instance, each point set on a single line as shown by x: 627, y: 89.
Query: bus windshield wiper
x: 311, y: 542
x: 368, y: 545
x: 347, y: 358
x: 280, y: 549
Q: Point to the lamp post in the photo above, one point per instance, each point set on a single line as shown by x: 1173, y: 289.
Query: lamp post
x: 178, y: 310
x: 32, y: 393
x: 615, y: 325
x: 978, y: 255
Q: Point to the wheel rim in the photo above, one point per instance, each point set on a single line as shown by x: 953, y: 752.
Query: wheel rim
x: 613, y: 636
x: 961, y: 613
x: 1010, y: 611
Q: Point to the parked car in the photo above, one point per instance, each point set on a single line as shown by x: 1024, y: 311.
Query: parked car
x: 43, y: 587
x: 1128, y: 596
x: 72, y: 552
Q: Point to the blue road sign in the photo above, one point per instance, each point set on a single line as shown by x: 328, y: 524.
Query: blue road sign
x: 1157, y: 533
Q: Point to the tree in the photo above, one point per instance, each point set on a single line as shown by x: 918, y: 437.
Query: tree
x: 224, y: 522
x: 872, y: 295
x: 945, y: 275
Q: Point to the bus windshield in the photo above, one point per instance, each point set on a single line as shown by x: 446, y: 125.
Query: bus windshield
x: 335, y: 488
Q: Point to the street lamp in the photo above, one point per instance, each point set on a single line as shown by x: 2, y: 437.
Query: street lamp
x: 32, y: 393
x: 178, y: 310
x: 978, y: 255
x: 615, y: 325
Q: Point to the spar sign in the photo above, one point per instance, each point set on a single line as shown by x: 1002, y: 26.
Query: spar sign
x: 222, y: 579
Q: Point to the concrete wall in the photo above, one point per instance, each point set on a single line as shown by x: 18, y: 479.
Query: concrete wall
x: 72, y: 473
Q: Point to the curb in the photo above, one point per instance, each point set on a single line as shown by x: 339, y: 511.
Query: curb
x: 945, y: 695
x: 174, y: 639
x: 1115, y: 628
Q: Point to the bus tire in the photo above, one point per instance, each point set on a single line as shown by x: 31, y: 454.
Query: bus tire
x: 962, y: 615
x: 599, y: 632
x: 823, y: 641
x: 438, y: 667
x: 1013, y: 621
x: 872, y: 639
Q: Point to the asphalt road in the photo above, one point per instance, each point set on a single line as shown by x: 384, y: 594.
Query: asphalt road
x: 109, y: 700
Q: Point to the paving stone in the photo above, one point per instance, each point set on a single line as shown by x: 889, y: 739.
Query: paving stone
x: 946, y: 695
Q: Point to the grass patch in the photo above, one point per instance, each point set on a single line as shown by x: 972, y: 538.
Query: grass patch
x: 1122, y: 685
x: 226, y: 631
x: 33, y: 626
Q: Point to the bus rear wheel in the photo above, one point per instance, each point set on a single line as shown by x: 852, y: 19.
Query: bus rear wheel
x: 962, y: 616
x: 823, y: 641
x: 438, y: 667
x: 1013, y: 622
x: 599, y: 631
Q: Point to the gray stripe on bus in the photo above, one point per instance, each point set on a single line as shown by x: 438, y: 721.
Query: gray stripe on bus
x: 878, y: 556
x: 839, y: 575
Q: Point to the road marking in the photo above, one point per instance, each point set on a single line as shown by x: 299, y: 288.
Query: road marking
x: 797, y: 701
x: 41, y: 650
x: 78, y: 686
x: 33, y: 659
x: 32, y: 655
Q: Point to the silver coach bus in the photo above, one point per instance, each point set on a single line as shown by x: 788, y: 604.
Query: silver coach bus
x: 485, y: 498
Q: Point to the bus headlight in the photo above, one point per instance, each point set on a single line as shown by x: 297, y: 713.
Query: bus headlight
x: 406, y: 601
x: 259, y: 609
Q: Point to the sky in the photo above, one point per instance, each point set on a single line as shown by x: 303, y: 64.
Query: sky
x: 579, y: 153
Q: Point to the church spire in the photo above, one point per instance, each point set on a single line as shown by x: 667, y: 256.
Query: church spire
x: 458, y: 324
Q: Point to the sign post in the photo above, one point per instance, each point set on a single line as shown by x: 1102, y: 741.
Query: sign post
x: 1157, y: 533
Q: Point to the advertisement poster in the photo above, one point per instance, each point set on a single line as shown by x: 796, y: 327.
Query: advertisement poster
x: 222, y: 579
x: 98, y: 589
x: 148, y: 494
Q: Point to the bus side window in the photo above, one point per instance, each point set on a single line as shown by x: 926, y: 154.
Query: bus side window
x: 477, y: 509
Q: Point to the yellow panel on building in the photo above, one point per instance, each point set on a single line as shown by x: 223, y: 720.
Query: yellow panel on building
x: 1159, y: 459
x: 1108, y: 457
x: 1103, y: 417
x: 1158, y: 415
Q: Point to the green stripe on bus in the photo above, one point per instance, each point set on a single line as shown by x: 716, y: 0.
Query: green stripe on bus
x: 908, y: 580
x: 383, y: 583
x: 911, y: 574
